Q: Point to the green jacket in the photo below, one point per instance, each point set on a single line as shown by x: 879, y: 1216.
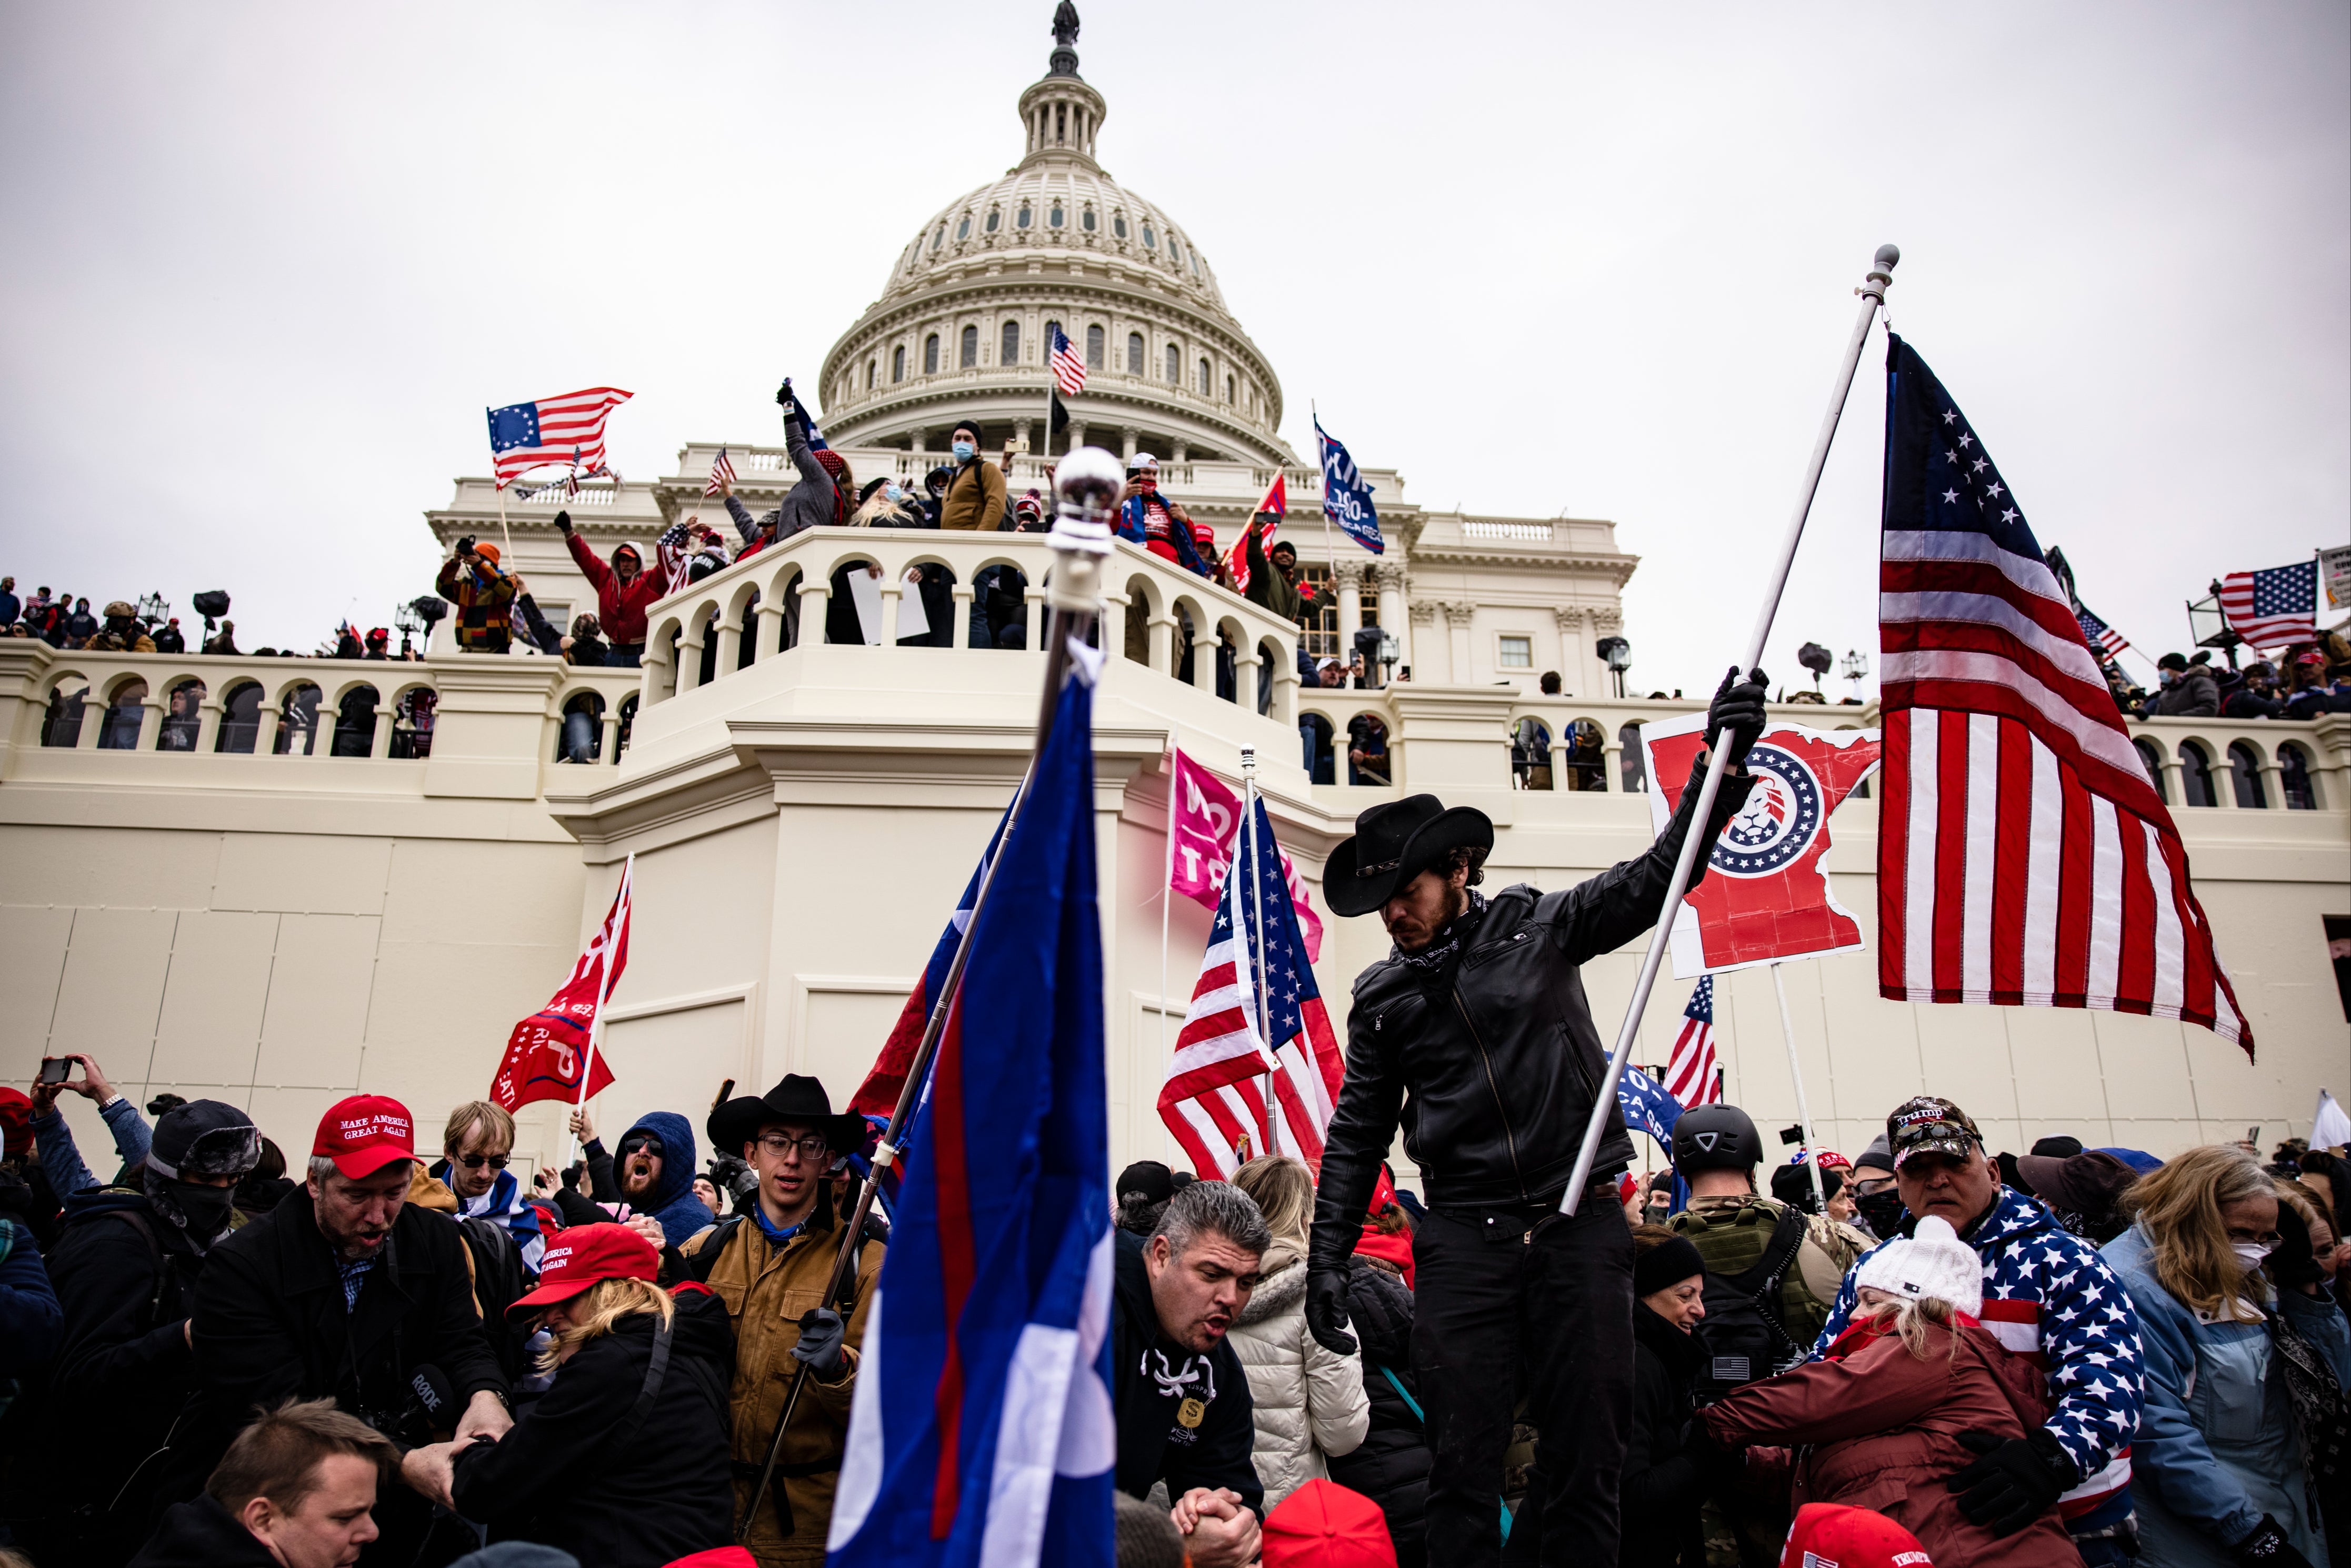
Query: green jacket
x: 1266, y: 586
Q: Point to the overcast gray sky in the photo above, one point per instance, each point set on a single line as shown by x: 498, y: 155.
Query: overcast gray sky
x: 265, y: 265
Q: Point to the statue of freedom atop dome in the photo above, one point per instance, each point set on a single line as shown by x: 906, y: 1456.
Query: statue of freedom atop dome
x: 1065, y: 23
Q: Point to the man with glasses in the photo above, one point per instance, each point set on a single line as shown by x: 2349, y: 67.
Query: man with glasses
x: 654, y: 1165
x: 476, y: 1144
x: 770, y: 1264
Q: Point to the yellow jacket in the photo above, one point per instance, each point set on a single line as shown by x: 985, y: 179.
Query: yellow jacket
x: 974, y: 498
x: 767, y: 1288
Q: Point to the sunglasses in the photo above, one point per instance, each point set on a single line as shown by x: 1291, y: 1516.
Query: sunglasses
x: 476, y: 1162
x: 636, y: 1141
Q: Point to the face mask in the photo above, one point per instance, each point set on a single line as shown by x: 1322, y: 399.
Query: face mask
x: 964, y: 450
x: 205, y: 1206
x: 1147, y: 485
x: 894, y: 493
x: 1883, y: 1210
x: 2252, y: 1255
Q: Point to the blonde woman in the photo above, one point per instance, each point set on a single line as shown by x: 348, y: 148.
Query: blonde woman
x: 1309, y: 1402
x: 622, y: 1462
x: 1913, y: 1389
x: 2240, y: 1343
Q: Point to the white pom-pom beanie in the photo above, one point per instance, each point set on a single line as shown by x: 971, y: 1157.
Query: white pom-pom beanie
x: 1933, y: 1262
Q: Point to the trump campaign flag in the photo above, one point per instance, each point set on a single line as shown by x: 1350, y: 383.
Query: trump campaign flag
x: 1765, y: 897
x: 552, y: 1053
x: 1346, y: 498
x: 1204, y: 820
x: 1274, y: 505
x: 982, y: 1429
x: 1212, y: 1101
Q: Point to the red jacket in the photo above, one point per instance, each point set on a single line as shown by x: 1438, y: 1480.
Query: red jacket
x: 1887, y: 1425
x: 620, y: 608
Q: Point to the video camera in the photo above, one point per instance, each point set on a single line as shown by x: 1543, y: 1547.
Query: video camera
x: 730, y: 1174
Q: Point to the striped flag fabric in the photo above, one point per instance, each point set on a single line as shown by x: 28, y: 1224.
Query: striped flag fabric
x: 1690, y: 1075
x: 981, y: 1429
x: 2025, y: 857
x: 1068, y: 365
x: 1213, y: 1101
x: 722, y: 474
x: 2099, y: 636
x: 569, y: 429
x: 2270, y: 609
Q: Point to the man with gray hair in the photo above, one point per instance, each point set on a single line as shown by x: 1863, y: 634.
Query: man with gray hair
x: 1182, y: 1400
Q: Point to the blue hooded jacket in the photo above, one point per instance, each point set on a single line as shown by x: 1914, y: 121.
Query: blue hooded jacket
x: 671, y: 1199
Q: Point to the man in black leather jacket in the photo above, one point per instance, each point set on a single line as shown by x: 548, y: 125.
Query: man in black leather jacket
x: 1475, y: 1033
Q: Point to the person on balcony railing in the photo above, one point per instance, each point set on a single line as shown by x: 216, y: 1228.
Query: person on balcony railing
x: 885, y: 504
x: 2251, y: 693
x: 2188, y: 689
x: 484, y: 595
x: 10, y: 605
x: 623, y: 589
x: 824, y: 497
x: 1150, y: 519
x: 1273, y: 573
x: 974, y: 500
x: 223, y: 641
x: 80, y: 626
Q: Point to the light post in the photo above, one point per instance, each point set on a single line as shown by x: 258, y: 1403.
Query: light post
x: 1854, y: 668
x: 1390, y: 652
x: 1617, y: 654
x: 155, y: 609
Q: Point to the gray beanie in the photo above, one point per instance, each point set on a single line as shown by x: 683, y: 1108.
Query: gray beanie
x: 1880, y: 1155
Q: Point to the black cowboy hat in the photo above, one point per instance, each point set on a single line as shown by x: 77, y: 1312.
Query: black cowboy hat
x: 1393, y: 844
x: 797, y: 1099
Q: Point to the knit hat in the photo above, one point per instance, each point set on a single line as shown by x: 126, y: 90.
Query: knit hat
x: 1879, y: 1156
x: 1143, y: 1536
x: 1930, y: 1262
x: 1324, y: 1525
x: 17, y: 1120
x: 1832, y: 1533
x: 204, y: 1138
x: 832, y: 461
x: 487, y: 552
x: 1667, y: 1264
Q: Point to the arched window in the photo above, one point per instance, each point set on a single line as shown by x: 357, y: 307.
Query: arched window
x: 2245, y: 765
x: 1053, y: 217
x: 1367, y: 750
x: 995, y: 217
x: 1086, y: 220
x: 1135, y: 354
x: 1175, y: 250
x: 1203, y: 378
x: 61, y: 726
x: 1150, y: 240
x: 297, y: 722
x: 931, y: 355
x: 182, y: 715
x: 970, y: 348
x: 1008, y: 351
x: 938, y: 239
x: 1314, y: 739
x: 1022, y: 219
x: 963, y: 227
x: 355, y: 723
x: 123, y: 716
x: 2294, y: 773
x: 1118, y: 224
x: 2196, y: 774
x: 240, y: 723
x: 1228, y: 391
x: 1047, y: 341
x: 2150, y: 759
x: 1175, y: 366
x: 1094, y: 348
x: 898, y: 364
x: 1531, y: 754
x: 872, y: 374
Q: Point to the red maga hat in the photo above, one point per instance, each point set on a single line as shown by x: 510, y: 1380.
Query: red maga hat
x: 364, y: 1133
x: 1324, y: 1525
x: 586, y: 1255
x: 1850, y: 1538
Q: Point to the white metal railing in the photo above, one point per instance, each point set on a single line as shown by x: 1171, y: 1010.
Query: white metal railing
x: 551, y: 494
x: 1476, y: 528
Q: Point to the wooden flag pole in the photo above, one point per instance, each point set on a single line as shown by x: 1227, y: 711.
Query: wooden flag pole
x: 1872, y: 293
x: 1796, y: 1074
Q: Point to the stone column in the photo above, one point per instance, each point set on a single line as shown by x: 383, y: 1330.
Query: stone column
x: 1204, y: 643
x: 960, y: 634
x: 151, y: 722
x: 768, y: 635
x: 1458, y: 614
x: 1245, y: 672
x: 730, y: 647
x: 611, y: 749
x: 1392, y: 613
x: 689, y: 661
x: 380, y: 743
x: 1423, y: 636
x: 1128, y: 437
x: 1076, y: 433
x: 208, y: 717
x: 2273, y: 781
x: 1574, y: 664
x: 1604, y: 623
x: 1020, y: 433
x: 1163, y: 630
x: 265, y: 727
x: 1347, y: 576
x: 1285, y: 694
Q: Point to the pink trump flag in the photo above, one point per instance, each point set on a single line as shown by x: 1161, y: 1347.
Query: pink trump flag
x: 1207, y: 819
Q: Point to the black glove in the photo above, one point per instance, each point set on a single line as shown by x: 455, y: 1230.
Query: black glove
x: 2294, y: 1264
x: 1739, y: 706
x: 563, y: 522
x: 784, y: 398
x: 2016, y: 1481
x: 819, y: 1343
x: 2268, y: 1547
x: 1326, y: 1309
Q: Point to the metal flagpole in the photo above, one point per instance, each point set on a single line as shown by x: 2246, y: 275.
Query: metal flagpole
x: 627, y: 911
x: 508, y: 536
x: 1330, y: 544
x: 1256, y: 954
x: 1167, y: 882
x: 1086, y: 487
x: 1796, y: 1073
x: 1872, y: 293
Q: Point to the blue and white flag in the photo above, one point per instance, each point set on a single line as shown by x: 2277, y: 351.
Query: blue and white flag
x: 1346, y: 499
x: 1651, y: 1107
x: 982, y: 1431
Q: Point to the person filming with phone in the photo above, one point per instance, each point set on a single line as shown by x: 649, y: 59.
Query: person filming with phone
x: 60, y: 1159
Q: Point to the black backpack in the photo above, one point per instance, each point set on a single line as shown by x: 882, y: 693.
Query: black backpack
x: 1742, y: 1333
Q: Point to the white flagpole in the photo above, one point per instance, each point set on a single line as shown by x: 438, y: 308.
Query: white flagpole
x: 1796, y: 1073
x: 1330, y: 544
x: 1168, y: 881
x: 624, y: 907
x: 508, y: 536
x: 1257, y: 950
x: 1872, y: 293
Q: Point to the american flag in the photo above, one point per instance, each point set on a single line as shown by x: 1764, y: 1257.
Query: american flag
x: 2101, y: 636
x: 569, y: 429
x: 1068, y: 365
x: 1690, y: 1075
x: 2024, y: 859
x: 722, y: 473
x: 2270, y: 609
x: 1213, y: 1101
x: 673, y: 555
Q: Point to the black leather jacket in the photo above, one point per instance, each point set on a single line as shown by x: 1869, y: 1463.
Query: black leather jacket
x: 1496, y: 1050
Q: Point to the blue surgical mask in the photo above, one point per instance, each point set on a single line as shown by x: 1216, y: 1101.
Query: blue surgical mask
x: 964, y: 451
x: 894, y: 493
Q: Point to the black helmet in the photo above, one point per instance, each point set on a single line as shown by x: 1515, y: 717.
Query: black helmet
x: 1716, y: 1138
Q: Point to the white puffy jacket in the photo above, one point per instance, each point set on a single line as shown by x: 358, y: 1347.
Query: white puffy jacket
x: 1307, y: 1402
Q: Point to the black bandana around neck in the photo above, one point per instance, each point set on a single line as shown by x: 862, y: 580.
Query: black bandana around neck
x: 1446, y: 946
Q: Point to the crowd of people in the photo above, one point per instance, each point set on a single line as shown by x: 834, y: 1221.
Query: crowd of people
x: 2308, y: 679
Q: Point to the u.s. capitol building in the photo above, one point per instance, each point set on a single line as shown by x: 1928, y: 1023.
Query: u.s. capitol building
x: 215, y: 893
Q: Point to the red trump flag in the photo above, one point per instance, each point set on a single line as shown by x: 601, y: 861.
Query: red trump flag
x: 552, y: 1052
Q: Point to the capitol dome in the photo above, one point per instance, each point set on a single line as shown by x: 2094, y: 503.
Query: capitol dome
x: 960, y: 330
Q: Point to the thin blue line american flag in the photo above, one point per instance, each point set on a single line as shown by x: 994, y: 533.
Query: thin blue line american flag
x: 1069, y: 367
x: 722, y: 473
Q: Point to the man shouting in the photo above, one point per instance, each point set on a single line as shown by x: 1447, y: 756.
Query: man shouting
x: 1474, y: 1032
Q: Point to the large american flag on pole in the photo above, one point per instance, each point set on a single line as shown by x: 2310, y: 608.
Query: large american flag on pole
x: 1690, y: 1074
x: 569, y: 429
x: 1068, y: 365
x: 2025, y: 857
x: 2270, y: 609
x: 1214, y: 1100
